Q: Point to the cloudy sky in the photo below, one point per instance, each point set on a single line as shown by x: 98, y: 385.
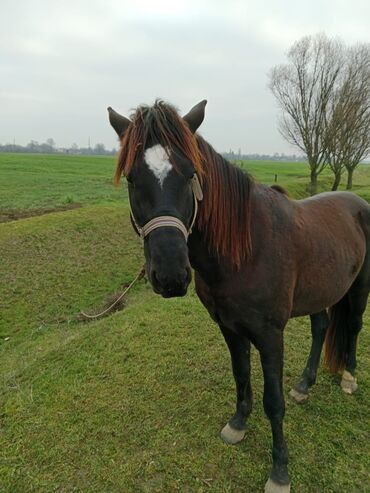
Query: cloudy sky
x: 62, y: 63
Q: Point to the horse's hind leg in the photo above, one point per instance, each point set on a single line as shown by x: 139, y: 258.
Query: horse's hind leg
x: 319, y: 324
x: 239, y: 347
x: 358, y: 296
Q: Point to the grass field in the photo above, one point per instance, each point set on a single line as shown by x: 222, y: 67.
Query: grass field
x: 135, y: 402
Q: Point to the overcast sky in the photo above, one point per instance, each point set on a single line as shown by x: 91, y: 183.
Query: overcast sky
x: 62, y: 63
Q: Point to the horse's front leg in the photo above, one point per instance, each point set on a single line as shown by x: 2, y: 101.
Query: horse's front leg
x: 319, y: 324
x: 239, y: 347
x: 271, y: 351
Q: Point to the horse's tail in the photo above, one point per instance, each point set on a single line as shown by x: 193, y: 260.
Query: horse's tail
x: 337, y: 335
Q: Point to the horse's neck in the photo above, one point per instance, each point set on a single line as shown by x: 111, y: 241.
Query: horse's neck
x: 201, y: 257
x: 223, y: 222
x: 265, y: 203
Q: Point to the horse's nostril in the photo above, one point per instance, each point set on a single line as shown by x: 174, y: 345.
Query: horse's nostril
x: 160, y: 280
x: 154, y: 277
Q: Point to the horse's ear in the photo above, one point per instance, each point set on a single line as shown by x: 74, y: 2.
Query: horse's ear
x: 195, y: 116
x: 118, y: 122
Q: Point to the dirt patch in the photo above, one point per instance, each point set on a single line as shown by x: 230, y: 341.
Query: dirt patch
x: 7, y: 215
x: 113, y: 303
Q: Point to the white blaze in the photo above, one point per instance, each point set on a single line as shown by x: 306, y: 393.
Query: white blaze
x: 158, y: 162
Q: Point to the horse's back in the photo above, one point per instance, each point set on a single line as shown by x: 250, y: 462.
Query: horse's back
x: 334, y: 209
x: 335, y: 216
x: 336, y: 201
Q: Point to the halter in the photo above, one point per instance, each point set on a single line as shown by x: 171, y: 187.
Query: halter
x: 171, y: 221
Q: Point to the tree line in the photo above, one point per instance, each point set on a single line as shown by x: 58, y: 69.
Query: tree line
x: 239, y: 156
x: 323, y: 92
x: 49, y: 147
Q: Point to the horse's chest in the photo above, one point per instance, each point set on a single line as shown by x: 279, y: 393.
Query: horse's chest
x: 219, y: 305
x: 242, y: 313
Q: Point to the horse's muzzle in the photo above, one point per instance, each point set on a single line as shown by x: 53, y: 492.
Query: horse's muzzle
x: 170, y: 284
x: 167, y: 262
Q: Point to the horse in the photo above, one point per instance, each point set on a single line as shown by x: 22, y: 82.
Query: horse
x: 258, y: 257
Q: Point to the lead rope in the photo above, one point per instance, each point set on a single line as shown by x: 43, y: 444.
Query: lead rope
x: 139, y: 276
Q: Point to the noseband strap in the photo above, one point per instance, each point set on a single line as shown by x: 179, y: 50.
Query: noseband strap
x: 163, y: 222
x: 171, y: 221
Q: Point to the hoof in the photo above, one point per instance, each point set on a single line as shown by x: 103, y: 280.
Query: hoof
x: 272, y: 487
x: 298, y: 396
x: 348, y: 383
x: 231, y: 436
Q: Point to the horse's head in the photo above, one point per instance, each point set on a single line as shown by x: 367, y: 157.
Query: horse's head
x: 159, y: 158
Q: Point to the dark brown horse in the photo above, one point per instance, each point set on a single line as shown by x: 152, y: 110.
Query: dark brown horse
x: 259, y: 257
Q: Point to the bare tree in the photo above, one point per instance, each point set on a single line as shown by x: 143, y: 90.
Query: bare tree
x: 348, y: 123
x: 335, y: 135
x: 303, y: 88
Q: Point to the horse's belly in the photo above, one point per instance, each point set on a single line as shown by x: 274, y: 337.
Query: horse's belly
x: 321, y: 288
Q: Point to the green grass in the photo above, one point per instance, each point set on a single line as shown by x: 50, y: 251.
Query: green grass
x: 134, y: 402
x: 41, y: 181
